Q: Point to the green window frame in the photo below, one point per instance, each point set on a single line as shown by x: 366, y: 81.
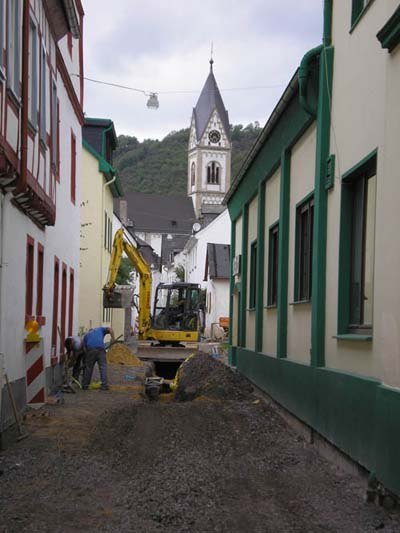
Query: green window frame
x: 358, y: 8
x: 253, y: 275
x: 357, y: 250
x: 304, y: 249
x: 273, y: 262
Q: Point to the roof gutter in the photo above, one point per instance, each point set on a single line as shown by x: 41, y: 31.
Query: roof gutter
x: 272, y: 121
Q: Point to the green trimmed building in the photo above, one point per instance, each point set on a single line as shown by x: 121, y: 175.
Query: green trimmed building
x: 100, y: 187
x: 315, y: 297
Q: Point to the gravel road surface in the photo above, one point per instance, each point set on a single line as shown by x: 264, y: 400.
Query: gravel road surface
x: 107, y: 461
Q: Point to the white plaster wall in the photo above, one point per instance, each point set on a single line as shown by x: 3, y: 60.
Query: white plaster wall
x: 252, y: 236
x: 218, y: 292
x: 301, y: 184
x: 272, y: 195
x: 217, y: 232
x: 365, y: 116
x: 62, y: 241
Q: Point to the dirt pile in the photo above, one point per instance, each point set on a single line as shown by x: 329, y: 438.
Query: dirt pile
x: 202, y: 375
x: 120, y: 354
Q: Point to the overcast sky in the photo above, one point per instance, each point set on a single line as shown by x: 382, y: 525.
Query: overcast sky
x: 164, y: 45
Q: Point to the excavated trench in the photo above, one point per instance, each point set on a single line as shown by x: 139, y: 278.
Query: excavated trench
x: 166, y: 369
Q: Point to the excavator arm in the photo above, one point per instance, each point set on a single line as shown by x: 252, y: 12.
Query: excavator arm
x: 120, y: 245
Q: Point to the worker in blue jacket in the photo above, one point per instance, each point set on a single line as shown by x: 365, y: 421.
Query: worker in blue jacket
x: 95, y: 352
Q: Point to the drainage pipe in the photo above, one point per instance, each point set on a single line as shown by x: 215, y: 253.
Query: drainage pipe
x: 304, y: 74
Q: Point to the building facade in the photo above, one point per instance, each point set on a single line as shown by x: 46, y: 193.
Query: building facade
x: 40, y: 135
x: 100, y: 186
x: 314, y: 306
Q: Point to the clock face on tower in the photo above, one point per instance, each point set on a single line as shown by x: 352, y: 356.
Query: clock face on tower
x: 214, y: 136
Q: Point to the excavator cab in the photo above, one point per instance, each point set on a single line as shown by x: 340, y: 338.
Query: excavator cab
x: 176, y: 307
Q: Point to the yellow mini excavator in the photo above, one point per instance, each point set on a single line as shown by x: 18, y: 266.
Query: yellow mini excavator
x: 175, y: 317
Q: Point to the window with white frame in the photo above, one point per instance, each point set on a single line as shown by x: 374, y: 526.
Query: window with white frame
x: 43, y: 96
x: 54, y: 123
x: 13, y: 45
x: 2, y: 32
x: 33, y: 74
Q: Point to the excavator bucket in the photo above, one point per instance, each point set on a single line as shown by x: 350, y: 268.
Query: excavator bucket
x: 119, y: 297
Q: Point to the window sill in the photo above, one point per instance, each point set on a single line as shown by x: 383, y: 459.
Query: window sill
x: 251, y: 309
x: 300, y: 302
x: 42, y: 145
x: 389, y: 35
x: 271, y: 306
x: 360, y: 16
x: 32, y: 128
x: 15, y: 101
x: 353, y: 337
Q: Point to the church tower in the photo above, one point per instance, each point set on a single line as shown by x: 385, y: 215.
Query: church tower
x: 209, y: 154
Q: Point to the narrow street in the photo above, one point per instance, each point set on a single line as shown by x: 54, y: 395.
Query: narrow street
x: 111, y: 461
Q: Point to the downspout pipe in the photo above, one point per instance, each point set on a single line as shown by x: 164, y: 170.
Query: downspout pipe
x: 106, y: 184
x: 327, y: 37
x: 304, y: 74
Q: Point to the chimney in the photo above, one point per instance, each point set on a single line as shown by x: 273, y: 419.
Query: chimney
x: 123, y: 212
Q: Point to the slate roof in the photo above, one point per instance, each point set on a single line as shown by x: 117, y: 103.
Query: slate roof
x: 92, y: 132
x: 217, y: 261
x: 158, y: 213
x: 175, y: 245
x: 147, y: 251
x: 210, y: 98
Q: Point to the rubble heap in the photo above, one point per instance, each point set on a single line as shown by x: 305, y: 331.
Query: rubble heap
x: 203, y: 375
x: 120, y: 354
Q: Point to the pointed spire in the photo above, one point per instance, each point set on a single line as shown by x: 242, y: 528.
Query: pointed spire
x: 209, y: 100
x: 211, y: 57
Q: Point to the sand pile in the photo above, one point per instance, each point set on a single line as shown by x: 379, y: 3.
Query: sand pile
x: 203, y: 376
x: 120, y: 354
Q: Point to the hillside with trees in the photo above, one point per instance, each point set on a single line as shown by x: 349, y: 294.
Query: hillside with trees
x: 155, y: 166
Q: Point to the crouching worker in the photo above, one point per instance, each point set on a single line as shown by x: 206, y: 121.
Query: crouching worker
x: 95, y: 353
x: 75, y: 352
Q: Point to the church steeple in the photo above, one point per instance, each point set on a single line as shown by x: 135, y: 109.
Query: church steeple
x: 210, y: 99
x: 209, y: 162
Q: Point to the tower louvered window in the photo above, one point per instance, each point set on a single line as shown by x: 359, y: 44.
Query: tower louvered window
x: 213, y: 173
x: 192, y: 174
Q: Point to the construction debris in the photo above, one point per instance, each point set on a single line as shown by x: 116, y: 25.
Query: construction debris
x: 120, y: 354
x: 203, y: 375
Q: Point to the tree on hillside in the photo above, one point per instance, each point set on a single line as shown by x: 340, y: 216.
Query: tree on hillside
x: 161, y: 166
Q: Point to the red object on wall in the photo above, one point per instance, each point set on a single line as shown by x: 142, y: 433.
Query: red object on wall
x: 55, y: 306
x: 63, y: 306
x: 71, y: 301
x: 30, y: 243
x: 39, y: 281
x: 73, y: 167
